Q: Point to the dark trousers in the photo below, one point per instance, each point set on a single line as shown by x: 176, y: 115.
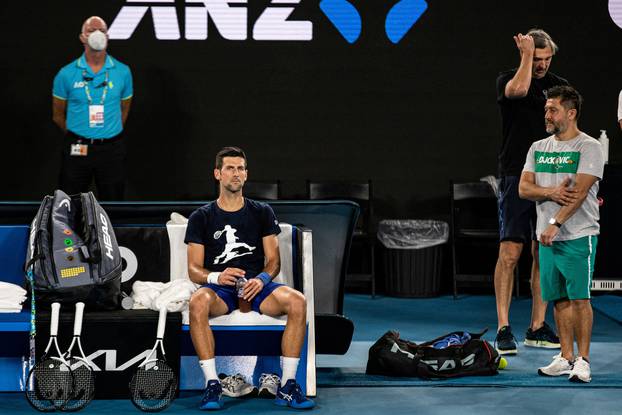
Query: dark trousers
x: 105, y: 163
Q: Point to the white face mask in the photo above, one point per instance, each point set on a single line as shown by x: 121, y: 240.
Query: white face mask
x: 97, y: 40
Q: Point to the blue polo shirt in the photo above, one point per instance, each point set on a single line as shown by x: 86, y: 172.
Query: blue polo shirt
x: 69, y: 85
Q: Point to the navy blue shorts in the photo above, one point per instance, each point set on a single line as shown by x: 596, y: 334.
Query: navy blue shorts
x: 517, y: 217
x: 230, y: 296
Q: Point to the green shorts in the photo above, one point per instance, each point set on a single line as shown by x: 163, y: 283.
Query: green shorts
x: 566, y: 269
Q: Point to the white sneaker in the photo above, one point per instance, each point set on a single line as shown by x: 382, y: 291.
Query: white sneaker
x: 580, y: 371
x: 268, y: 385
x: 558, y: 367
x: 235, y: 386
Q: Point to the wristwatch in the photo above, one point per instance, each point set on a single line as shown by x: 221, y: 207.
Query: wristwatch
x: 554, y: 221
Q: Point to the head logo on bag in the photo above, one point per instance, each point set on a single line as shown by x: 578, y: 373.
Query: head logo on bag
x: 450, y: 364
x: 107, y: 241
x: 73, y: 252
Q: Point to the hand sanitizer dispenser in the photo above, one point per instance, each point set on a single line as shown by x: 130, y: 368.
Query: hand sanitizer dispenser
x: 604, y: 142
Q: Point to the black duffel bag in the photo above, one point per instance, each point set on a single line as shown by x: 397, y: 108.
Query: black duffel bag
x: 392, y: 356
x: 73, y: 253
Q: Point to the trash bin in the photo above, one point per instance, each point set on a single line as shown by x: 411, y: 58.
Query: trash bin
x: 412, y: 256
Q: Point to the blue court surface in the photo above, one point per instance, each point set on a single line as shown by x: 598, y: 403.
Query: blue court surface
x: 343, y: 388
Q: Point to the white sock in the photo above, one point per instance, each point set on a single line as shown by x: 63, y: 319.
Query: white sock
x: 290, y: 366
x: 209, y: 369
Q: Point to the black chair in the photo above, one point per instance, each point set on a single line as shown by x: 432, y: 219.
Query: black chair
x: 361, y: 193
x: 474, y: 225
x: 262, y: 190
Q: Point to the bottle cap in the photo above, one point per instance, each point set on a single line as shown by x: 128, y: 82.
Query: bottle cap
x: 127, y: 303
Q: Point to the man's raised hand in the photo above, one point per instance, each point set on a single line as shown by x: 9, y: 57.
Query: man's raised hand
x: 524, y: 43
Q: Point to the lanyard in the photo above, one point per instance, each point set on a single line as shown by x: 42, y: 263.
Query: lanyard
x: 88, y: 93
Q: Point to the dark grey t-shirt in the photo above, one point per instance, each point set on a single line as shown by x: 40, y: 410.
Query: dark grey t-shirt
x: 553, y: 161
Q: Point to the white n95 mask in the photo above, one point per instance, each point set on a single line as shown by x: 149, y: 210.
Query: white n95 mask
x: 97, y: 40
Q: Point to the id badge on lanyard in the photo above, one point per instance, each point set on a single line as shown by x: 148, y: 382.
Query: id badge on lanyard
x: 96, y: 116
x: 96, y: 111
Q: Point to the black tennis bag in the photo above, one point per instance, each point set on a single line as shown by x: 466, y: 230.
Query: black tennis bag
x: 392, y: 356
x: 73, y: 253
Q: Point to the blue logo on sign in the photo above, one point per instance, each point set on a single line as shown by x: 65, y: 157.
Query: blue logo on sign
x: 344, y: 17
x: 402, y: 17
x: 347, y: 20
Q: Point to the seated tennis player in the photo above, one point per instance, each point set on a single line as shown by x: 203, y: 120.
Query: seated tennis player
x: 229, y: 239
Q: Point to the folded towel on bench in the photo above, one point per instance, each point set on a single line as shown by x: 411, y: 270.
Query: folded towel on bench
x: 11, y: 297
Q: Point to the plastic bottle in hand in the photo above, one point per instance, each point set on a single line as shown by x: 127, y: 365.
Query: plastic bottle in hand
x: 243, y: 305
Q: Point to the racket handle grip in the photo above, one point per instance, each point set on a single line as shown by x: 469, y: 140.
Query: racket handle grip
x: 77, y: 322
x: 54, y: 319
x: 162, y: 322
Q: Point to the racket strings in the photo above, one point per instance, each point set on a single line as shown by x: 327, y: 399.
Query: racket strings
x: 84, y: 385
x: 50, y: 384
x: 153, y: 386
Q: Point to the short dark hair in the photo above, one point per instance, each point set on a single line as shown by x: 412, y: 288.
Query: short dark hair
x: 541, y: 39
x: 230, y: 152
x: 568, y: 97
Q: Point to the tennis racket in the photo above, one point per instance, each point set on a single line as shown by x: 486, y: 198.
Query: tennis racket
x: 84, y: 377
x: 154, y: 384
x: 50, y: 382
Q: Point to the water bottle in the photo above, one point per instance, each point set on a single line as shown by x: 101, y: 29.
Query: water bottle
x: 243, y: 305
x: 239, y: 286
x: 604, y: 142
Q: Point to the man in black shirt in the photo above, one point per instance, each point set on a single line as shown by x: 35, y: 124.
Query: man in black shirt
x: 233, y: 240
x: 521, y: 99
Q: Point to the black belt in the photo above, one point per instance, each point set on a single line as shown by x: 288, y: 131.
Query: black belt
x: 78, y: 139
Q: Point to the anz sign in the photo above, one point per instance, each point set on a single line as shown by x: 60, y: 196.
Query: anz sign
x: 230, y: 19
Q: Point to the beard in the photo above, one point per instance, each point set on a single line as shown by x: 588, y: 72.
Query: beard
x: 553, y: 128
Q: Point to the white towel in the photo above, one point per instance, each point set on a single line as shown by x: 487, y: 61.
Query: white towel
x: 11, y: 309
x: 10, y: 291
x: 177, y: 219
x: 12, y: 303
x: 11, y: 297
x: 11, y: 287
x: 153, y: 295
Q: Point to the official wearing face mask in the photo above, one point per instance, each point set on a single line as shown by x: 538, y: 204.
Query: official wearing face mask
x: 90, y: 104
